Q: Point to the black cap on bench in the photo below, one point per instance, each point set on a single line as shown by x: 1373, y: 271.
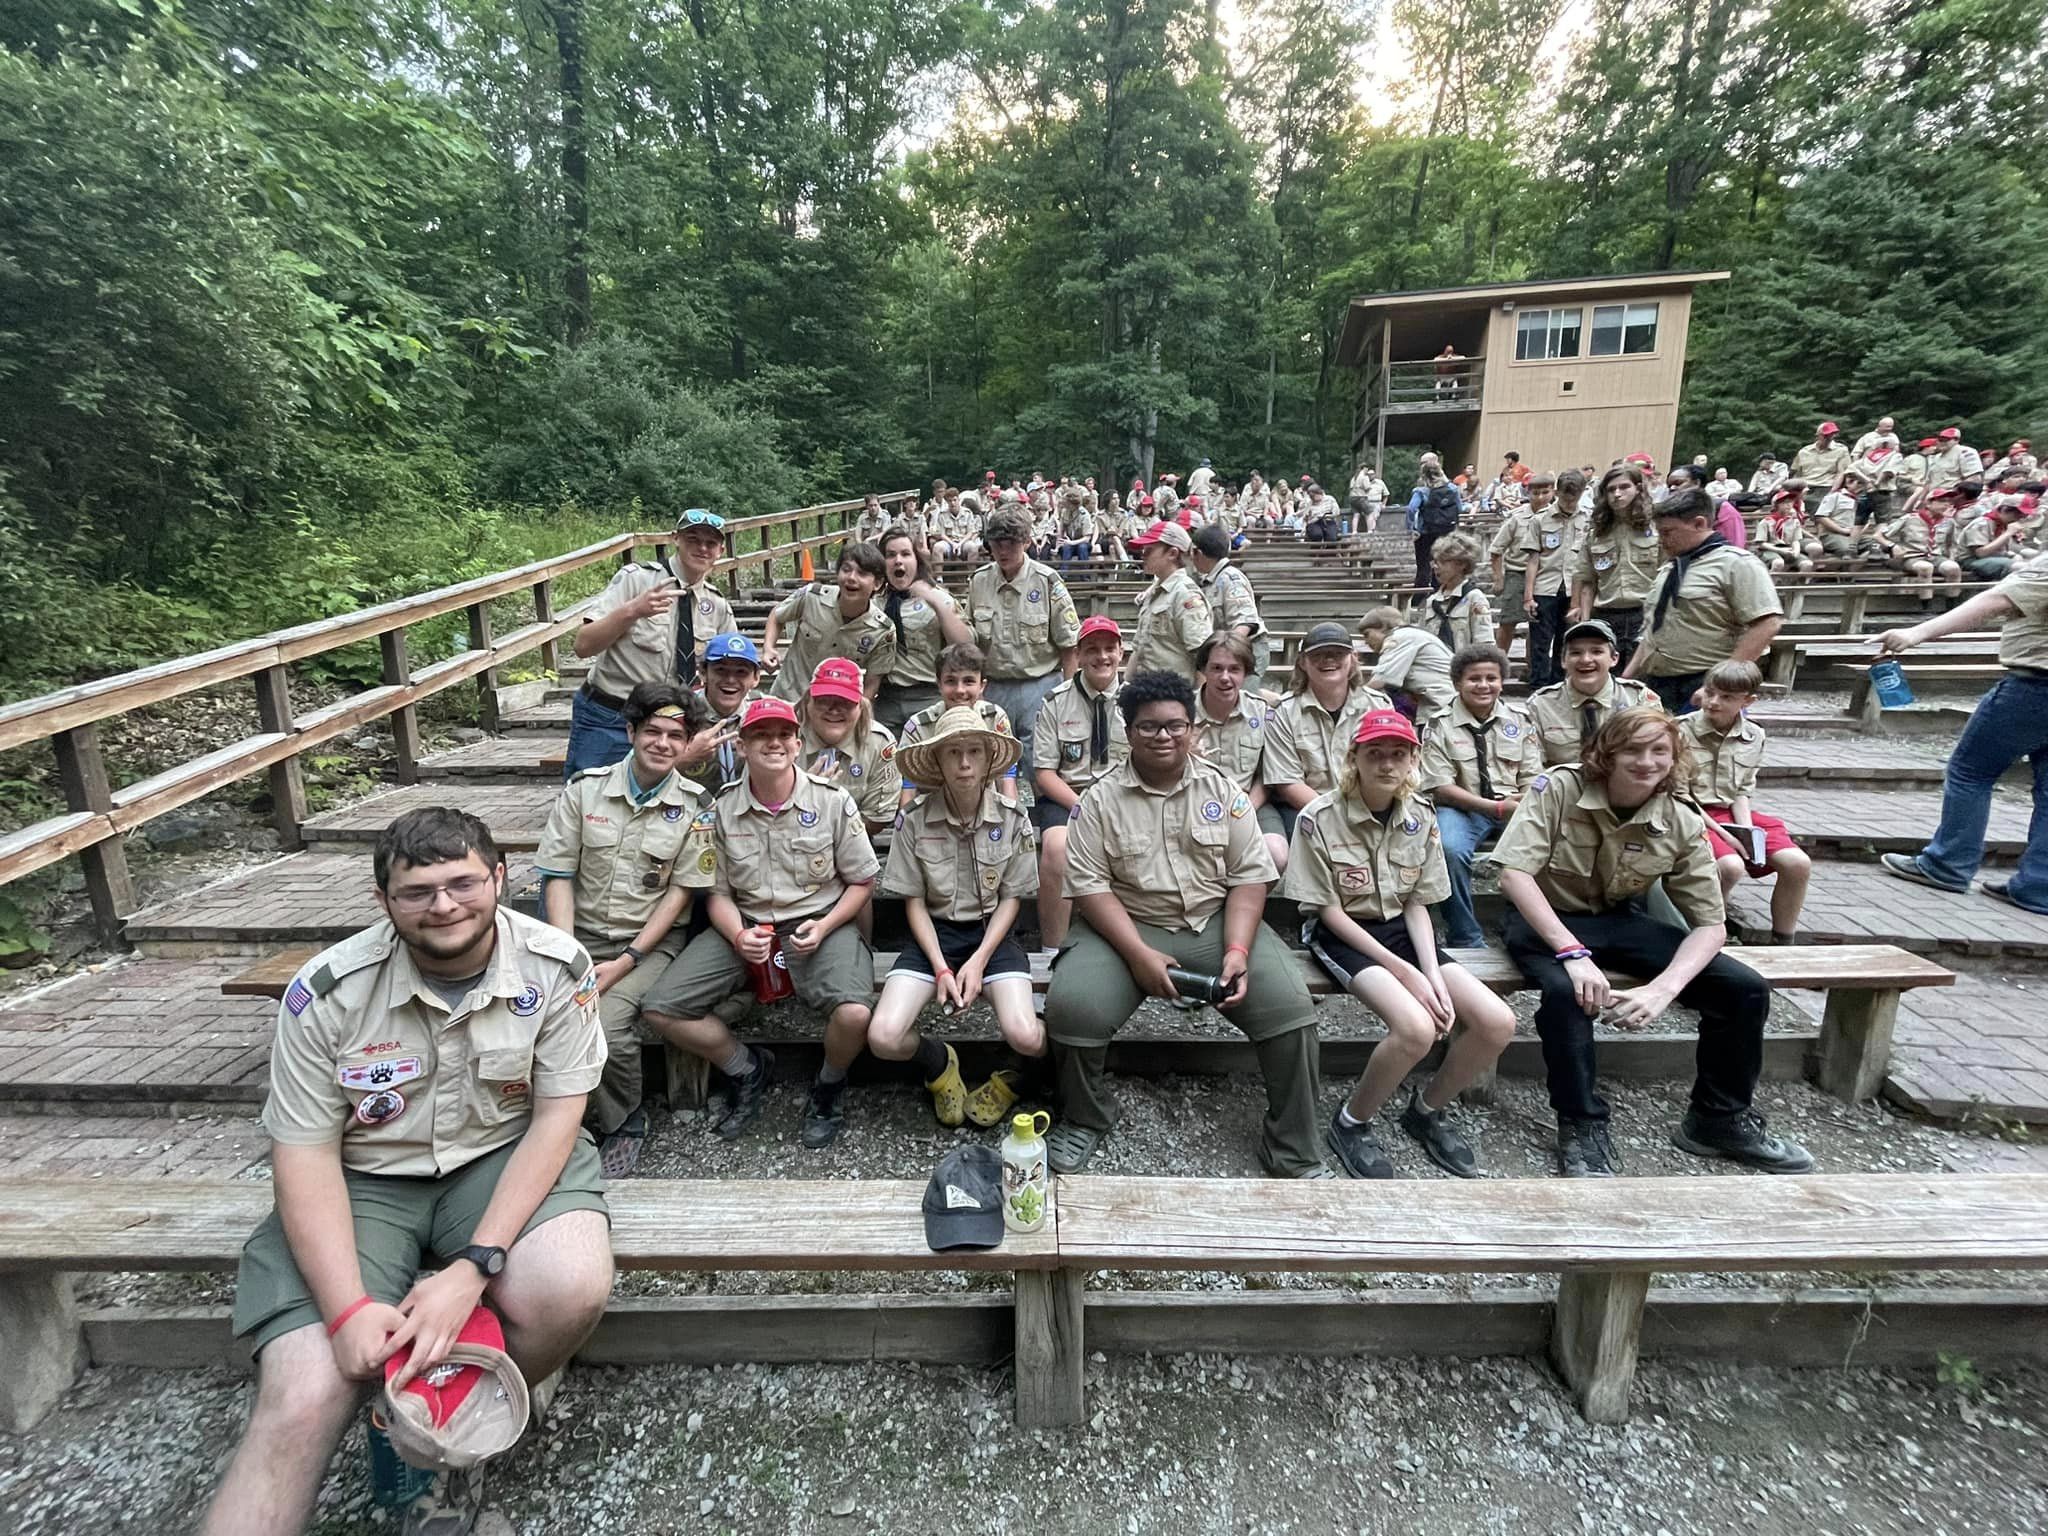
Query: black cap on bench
x: 963, y: 1204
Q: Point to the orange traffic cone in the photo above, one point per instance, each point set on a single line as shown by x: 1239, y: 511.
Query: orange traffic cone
x: 803, y: 564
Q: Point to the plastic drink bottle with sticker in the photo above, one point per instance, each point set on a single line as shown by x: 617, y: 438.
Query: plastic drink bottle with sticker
x: 771, y: 975
x: 1026, y: 1181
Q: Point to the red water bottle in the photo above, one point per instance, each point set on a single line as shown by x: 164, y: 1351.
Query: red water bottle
x: 771, y: 976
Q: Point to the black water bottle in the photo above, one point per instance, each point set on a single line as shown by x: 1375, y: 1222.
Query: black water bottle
x: 1194, y: 987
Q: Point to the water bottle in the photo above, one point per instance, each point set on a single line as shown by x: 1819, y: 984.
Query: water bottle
x: 394, y: 1482
x: 1025, y: 1180
x: 1888, y: 678
x: 1195, y: 987
x: 771, y: 976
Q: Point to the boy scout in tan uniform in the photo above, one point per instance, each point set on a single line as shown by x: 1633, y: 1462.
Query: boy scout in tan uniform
x: 1160, y: 874
x: 1708, y: 603
x: 1173, y: 615
x: 815, y: 629
x: 865, y: 769
x: 1613, y: 575
x: 1306, y: 743
x: 1025, y: 623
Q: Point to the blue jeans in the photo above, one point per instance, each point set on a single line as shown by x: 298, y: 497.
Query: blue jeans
x: 597, y: 736
x: 1464, y: 833
x: 2009, y: 723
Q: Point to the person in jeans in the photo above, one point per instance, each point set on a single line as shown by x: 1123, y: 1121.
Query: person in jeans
x: 1575, y: 863
x: 1478, y: 760
x: 2009, y: 722
x: 1434, y: 507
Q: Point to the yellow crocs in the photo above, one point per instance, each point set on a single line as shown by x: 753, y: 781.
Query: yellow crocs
x: 989, y: 1103
x: 949, y: 1091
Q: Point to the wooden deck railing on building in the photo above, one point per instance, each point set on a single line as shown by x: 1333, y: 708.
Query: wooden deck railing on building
x: 98, y: 815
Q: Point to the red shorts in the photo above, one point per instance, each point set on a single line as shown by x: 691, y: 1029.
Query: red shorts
x: 1776, y: 838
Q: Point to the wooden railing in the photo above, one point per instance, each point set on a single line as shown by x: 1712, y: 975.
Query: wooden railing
x: 98, y: 815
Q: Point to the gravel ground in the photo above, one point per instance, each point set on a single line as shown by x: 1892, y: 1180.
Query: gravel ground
x: 1175, y: 1444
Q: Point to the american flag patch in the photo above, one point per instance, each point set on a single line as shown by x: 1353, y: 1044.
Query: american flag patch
x: 297, y: 996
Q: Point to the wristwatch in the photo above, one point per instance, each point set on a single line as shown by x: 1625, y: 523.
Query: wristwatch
x: 490, y: 1262
x: 637, y: 957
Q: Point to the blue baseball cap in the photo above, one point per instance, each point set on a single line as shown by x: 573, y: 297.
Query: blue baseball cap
x: 733, y: 647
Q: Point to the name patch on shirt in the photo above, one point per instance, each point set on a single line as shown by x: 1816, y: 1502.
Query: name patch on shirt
x: 383, y: 1074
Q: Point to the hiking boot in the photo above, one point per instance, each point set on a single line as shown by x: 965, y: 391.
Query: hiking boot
x: 619, y: 1154
x: 1359, y: 1154
x: 1068, y: 1147
x: 1432, y: 1131
x: 449, y: 1507
x: 824, y: 1115
x: 748, y: 1094
x: 1907, y: 867
x: 1313, y: 1171
x: 1741, y: 1138
x: 987, y: 1105
x: 949, y: 1093
x: 1584, y: 1149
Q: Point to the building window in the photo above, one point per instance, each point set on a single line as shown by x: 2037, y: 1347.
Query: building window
x: 1542, y: 334
x: 1623, y: 330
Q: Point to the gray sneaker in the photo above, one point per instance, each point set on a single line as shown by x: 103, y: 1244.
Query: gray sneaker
x: 1584, y: 1149
x: 449, y: 1507
x: 1431, y: 1129
x: 1069, y: 1147
x: 1742, y: 1138
x: 1907, y: 867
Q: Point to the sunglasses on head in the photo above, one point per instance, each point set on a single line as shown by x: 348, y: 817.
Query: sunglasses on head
x: 697, y: 517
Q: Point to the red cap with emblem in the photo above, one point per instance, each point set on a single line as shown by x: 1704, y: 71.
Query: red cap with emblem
x: 1384, y: 725
x: 1099, y: 624
x: 836, y: 678
x: 767, y: 712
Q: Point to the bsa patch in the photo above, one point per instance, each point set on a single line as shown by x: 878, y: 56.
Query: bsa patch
x: 707, y: 861
x: 1552, y: 540
x: 517, y: 1090
x: 297, y: 997
x: 1603, y: 563
x: 586, y: 989
x: 991, y: 878
x: 379, y: 1107
x: 807, y: 818
x: 1212, y: 810
x: 383, y: 1074
x: 1412, y: 825
x: 527, y: 1003
x: 1034, y: 596
x: 672, y: 812
x: 705, y: 606
x: 1355, y: 879
x: 867, y: 643
x: 1239, y: 806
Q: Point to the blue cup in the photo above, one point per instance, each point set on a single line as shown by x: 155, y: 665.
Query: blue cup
x: 1888, y: 678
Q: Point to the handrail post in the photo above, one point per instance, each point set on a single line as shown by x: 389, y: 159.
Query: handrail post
x: 83, y: 772
x: 732, y: 567
x: 486, y: 680
x: 287, y: 784
x: 544, y: 611
x: 405, y: 723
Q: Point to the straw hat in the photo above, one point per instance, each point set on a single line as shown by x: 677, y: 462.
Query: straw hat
x: 919, y: 761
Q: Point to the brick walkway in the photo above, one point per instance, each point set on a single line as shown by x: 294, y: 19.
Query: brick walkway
x: 515, y: 813
x: 1869, y: 821
x: 1861, y: 904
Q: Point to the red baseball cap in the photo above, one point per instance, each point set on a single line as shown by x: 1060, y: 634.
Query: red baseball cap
x: 836, y: 678
x: 988, y: 474
x: 1946, y: 493
x: 1384, y: 725
x: 1829, y: 429
x: 1144, y: 501
x: 1172, y: 535
x: 2023, y: 445
x: 767, y: 712
x: 1951, y: 432
x: 1099, y: 624
x: 1930, y: 442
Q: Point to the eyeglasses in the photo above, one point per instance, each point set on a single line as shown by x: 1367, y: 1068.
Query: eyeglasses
x: 1173, y: 728
x: 464, y: 892
x: 697, y: 517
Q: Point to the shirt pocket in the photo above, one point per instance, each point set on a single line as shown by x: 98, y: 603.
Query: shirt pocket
x: 658, y: 851
x: 991, y: 859
x: 935, y: 868
x: 503, y: 1083
x: 810, y: 857
x: 1408, y: 859
x: 1636, y: 866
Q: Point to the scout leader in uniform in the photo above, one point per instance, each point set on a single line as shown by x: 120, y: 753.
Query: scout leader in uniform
x: 1024, y: 622
x: 1618, y: 556
x: 1173, y: 616
x: 649, y: 626
x: 1367, y: 862
x: 831, y: 619
x: 1080, y: 737
x: 1233, y: 606
x: 621, y: 856
x: 427, y: 1088
x: 964, y: 861
x: 793, y: 864
x: 1575, y: 862
x: 1712, y: 603
x: 1167, y: 869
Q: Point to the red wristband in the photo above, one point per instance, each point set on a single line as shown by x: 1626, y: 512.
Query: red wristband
x: 348, y: 1312
x: 1237, y: 949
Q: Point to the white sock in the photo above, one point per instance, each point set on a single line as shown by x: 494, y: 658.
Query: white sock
x: 739, y: 1063
x: 1349, y: 1121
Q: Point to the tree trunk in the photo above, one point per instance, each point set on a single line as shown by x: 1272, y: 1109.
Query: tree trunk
x: 567, y: 16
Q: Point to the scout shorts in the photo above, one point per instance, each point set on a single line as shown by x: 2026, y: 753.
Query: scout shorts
x: 958, y: 942
x: 840, y: 970
x: 1343, y: 962
x: 401, y: 1223
x: 1776, y: 838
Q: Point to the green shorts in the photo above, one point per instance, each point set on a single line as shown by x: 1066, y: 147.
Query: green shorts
x: 1269, y: 820
x: 840, y: 970
x: 400, y: 1223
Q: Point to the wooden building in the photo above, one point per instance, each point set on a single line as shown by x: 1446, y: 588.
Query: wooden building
x: 1566, y: 372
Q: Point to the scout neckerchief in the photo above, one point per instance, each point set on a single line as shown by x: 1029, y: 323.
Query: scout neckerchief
x: 1679, y: 566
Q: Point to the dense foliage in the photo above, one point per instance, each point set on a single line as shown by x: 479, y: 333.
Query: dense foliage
x: 303, y: 302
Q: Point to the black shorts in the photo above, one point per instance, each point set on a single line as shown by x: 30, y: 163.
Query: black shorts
x: 1049, y: 813
x: 1343, y: 962
x: 957, y: 942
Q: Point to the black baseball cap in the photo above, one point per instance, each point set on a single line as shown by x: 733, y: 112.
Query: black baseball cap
x: 1326, y: 635
x: 963, y: 1204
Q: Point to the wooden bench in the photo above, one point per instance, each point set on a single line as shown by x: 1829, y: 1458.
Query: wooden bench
x: 1850, y: 1057
x: 52, y: 1229
x: 1867, y: 709
x: 1790, y: 652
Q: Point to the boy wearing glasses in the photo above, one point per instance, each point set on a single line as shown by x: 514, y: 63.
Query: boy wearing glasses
x: 650, y: 626
x: 427, y: 1087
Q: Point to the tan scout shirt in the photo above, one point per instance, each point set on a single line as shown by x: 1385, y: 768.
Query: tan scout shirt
x: 1512, y: 542
x: 1344, y: 856
x: 1022, y: 625
x: 1724, y: 591
x: 813, y: 630
x: 1415, y: 661
x: 871, y: 525
x: 1231, y: 601
x: 797, y: 862
x: 1724, y: 764
x: 1820, y: 466
x: 2023, y: 640
x: 1173, y: 621
x: 646, y: 653
x: 865, y: 769
x: 1236, y: 743
x: 1618, y: 565
x: 1552, y: 541
x: 1065, y: 727
x: 1466, y: 613
x: 366, y: 1054
x: 993, y: 715
x: 622, y: 854
x: 1168, y: 856
x: 1557, y: 711
x: 1514, y: 752
x: 1585, y: 858
x: 1944, y: 468
x: 962, y: 871
x: 917, y: 653
x: 1910, y: 535
x: 1305, y: 743
x: 728, y: 767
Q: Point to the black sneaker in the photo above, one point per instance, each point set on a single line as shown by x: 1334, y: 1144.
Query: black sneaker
x: 824, y: 1115
x: 1584, y: 1150
x: 449, y: 1507
x: 1431, y: 1130
x: 1357, y: 1151
x: 748, y: 1094
x: 1743, y: 1139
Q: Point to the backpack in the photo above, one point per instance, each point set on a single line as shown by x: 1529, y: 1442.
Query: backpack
x: 1440, y: 508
